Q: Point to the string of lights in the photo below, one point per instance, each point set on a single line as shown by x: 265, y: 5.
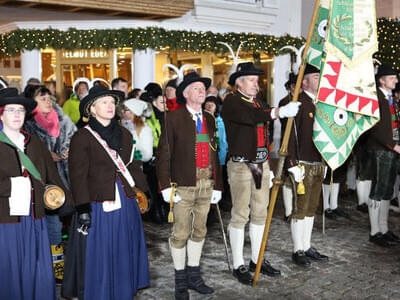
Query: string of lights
x: 389, y: 42
x: 159, y: 38
x: 139, y: 39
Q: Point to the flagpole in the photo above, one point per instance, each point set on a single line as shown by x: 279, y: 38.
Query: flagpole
x: 283, y: 152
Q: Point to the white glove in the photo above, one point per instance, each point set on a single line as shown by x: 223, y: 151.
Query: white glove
x: 289, y: 110
x: 216, y: 196
x: 297, y: 172
x: 271, y: 176
x: 166, y: 193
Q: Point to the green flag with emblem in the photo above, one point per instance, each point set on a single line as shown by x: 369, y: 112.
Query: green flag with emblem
x: 317, y: 42
x: 347, y: 104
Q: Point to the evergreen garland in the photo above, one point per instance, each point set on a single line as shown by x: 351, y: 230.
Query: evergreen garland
x: 140, y: 39
x: 159, y: 38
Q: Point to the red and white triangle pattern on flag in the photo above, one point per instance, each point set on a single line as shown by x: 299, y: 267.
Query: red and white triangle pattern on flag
x: 344, y: 87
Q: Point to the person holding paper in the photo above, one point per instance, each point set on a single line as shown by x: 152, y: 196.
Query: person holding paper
x: 26, y: 168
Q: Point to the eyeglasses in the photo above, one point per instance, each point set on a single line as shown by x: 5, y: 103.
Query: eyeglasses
x: 15, y: 111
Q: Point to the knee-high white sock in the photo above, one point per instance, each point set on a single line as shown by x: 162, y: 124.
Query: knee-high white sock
x: 236, y: 237
x: 297, y: 229
x: 178, y: 257
x: 351, y: 177
x: 363, y: 189
x: 194, y: 252
x: 256, y: 234
x: 308, y: 232
x: 287, y: 195
x: 326, y: 195
x: 373, y: 212
x: 383, y: 216
x: 334, y: 196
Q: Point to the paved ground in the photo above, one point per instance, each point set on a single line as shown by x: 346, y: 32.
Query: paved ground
x: 357, y: 269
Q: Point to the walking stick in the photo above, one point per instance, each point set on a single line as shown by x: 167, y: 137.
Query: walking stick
x: 283, y: 151
x: 221, y: 224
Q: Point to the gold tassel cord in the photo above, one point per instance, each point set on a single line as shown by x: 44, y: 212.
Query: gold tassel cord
x: 301, y: 190
x: 171, y: 203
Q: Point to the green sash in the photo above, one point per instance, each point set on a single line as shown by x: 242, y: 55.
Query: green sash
x: 25, y: 160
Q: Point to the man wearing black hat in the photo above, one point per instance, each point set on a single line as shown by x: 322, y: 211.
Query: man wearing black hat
x: 170, y: 95
x: 306, y: 166
x: 187, y: 158
x: 246, y: 120
x: 287, y: 188
x: 383, y: 142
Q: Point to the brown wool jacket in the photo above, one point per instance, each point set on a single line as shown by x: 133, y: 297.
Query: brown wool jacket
x: 92, y: 172
x: 177, y: 163
x: 304, y: 124
x: 241, y: 119
x: 11, y: 167
x: 381, y: 135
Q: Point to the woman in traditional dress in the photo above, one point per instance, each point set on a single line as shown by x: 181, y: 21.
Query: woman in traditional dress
x: 102, y: 174
x: 25, y: 260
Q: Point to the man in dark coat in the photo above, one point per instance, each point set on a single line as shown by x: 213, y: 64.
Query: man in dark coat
x: 246, y: 121
x: 187, y: 158
x: 287, y: 188
x: 305, y: 164
x: 383, y: 142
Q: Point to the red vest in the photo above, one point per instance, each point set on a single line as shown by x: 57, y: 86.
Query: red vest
x: 203, y: 158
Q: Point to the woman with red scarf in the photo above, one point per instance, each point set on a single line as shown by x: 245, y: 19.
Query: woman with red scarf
x: 55, y: 130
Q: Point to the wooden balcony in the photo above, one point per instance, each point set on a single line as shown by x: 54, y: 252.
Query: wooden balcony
x: 143, y: 9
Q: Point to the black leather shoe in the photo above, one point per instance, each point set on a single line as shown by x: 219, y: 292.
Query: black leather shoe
x: 340, y: 213
x: 394, y: 202
x: 196, y: 282
x: 379, y: 240
x: 329, y: 214
x: 243, y: 275
x: 391, y: 237
x: 181, y: 286
x: 362, y: 208
x: 315, y: 255
x: 300, y: 258
x: 266, y: 268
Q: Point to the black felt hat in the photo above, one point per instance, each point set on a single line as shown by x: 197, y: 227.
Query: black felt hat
x: 291, y: 80
x: 310, y: 69
x: 96, y: 92
x: 244, y: 69
x: 171, y: 83
x: 10, y: 96
x: 385, y: 70
x: 154, y: 89
x: 190, y: 78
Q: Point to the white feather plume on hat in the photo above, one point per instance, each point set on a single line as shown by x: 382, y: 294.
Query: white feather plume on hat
x: 180, y: 71
x: 234, y: 56
x: 94, y: 80
x: 79, y: 80
x: 3, y: 83
x: 89, y: 83
x: 376, y: 63
x: 298, y: 52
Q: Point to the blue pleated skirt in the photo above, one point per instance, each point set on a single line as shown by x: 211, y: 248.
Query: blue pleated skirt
x: 26, y: 265
x: 116, y: 253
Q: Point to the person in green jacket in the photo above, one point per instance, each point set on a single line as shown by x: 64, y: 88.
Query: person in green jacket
x: 71, y: 106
